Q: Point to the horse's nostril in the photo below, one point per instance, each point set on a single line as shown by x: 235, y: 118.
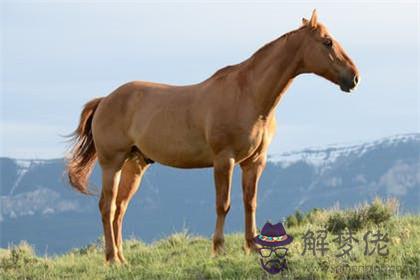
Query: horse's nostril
x: 356, y: 79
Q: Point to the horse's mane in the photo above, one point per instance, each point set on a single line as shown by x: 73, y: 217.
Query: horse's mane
x: 260, y: 52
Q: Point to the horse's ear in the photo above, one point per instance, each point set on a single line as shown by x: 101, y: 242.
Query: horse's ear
x: 314, y: 19
x: 304, y: 21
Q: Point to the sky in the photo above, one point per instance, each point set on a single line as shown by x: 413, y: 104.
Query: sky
x: 57, y: 55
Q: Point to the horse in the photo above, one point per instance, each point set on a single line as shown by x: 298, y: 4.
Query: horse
x: 223, y: 121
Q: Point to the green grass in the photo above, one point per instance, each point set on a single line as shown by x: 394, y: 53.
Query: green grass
x: 182, y: 256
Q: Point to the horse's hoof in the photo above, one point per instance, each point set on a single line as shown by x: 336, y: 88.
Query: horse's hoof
x: 218, y: 252
x: 250, y: 247
x: 113, y: 260
x: 218, y: 247
x: 123, y: 261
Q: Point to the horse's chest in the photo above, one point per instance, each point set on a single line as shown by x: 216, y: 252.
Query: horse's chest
x: 248, y: 142
x: 241, y: 139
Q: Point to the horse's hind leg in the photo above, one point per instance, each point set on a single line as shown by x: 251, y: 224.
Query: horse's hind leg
x: 132, y: 172
x: 111, y: 170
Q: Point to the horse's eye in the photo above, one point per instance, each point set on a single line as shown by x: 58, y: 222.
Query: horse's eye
x: 328, y: 42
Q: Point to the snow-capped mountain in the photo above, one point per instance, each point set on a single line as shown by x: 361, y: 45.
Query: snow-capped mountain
x: 38, y: 205
x: 385, y: 167
x: 326, y: 156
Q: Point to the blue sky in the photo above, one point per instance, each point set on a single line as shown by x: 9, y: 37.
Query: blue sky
x: 57, y: 55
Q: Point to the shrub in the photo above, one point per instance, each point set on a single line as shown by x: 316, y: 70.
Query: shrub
x: 19, y: 257
x: 337, y: 222
x: 317, y: 216
x: 291, y: 221
x: 299, y: 217
x: 355, y: 219
x: 296, y: 219
x: 380, y: 211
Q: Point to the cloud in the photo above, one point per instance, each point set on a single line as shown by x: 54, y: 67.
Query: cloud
x: 400, y: 178
x: 42, y: 200
x: 333, y: 182
x: 32, y: 140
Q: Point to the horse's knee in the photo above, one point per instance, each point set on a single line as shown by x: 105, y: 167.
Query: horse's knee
x: 250, y: 205
x: 223, y: 209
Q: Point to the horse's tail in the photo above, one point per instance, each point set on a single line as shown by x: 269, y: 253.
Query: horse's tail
x: 82, y: 155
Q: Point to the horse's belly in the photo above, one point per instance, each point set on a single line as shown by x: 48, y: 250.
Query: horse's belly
x: 182, y: 151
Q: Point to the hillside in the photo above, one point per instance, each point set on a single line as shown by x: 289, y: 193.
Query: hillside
x: 186, y: 256
x: 35, y: 195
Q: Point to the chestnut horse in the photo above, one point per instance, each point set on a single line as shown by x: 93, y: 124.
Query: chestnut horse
x: 225, y: 120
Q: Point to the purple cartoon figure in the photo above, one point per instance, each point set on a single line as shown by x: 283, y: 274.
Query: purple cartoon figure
x: 271, y: 247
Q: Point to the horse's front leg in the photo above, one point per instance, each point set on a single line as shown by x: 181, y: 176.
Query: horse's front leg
x: 223, y: 168
x: 251, y: 173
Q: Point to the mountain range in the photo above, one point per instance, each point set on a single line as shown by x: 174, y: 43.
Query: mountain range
x: 38, y: 205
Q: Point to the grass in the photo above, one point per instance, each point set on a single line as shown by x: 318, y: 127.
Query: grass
x: 183, y: 256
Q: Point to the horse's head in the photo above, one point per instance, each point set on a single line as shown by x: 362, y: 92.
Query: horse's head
x: 324, y: 56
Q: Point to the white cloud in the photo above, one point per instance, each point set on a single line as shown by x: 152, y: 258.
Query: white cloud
x: 32, y: 140
x: 401, y: 177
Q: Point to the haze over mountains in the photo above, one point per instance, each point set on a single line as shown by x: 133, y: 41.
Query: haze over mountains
x: 39, y: 206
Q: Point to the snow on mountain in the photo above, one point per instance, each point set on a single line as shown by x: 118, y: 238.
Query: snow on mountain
x: 321, y: 157
x: 24, y: 165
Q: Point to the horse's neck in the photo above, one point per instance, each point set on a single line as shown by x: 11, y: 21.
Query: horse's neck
x: 273, y: 71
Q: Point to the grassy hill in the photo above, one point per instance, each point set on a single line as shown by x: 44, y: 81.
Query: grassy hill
x: 182, y: 256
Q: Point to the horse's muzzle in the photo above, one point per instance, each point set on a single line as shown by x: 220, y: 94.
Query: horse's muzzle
x: 349, y: 83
